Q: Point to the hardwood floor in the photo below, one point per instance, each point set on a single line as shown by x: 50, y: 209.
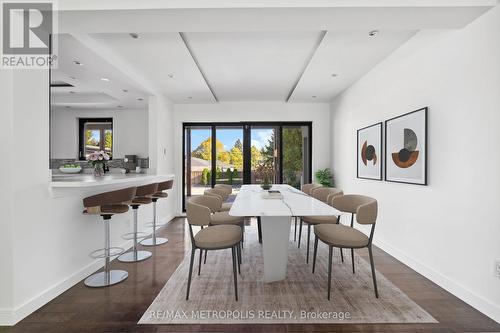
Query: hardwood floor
x: 118, y: 308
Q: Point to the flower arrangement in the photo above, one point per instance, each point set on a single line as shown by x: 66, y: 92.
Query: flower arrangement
x: 265, y: 171
x: 98, y: 160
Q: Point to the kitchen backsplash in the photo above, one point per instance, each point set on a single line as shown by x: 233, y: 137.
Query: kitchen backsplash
x: 55, y: 163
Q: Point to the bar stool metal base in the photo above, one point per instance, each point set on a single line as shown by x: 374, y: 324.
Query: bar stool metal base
x: 135, y: 256
x: 104, y: 279
x: 153, y: 241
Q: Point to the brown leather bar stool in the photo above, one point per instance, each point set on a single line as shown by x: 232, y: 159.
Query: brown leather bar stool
x: 142, y: 197
x: 153, y: 240
x: 106, y: 205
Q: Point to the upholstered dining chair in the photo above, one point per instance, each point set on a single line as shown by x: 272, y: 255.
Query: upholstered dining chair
x: 225, y: 206
x: 227, y: 189
x: 306, y: 188
x: 326, y: 195
x: 210, y: 237
x: 342, y: 236
x: 217, y: 217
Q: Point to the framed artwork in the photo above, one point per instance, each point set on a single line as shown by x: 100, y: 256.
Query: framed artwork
x: 406, y: 148
x: 369, y: 160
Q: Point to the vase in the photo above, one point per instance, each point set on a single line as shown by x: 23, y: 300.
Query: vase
x: 99, y: 170
x: 266, y: 186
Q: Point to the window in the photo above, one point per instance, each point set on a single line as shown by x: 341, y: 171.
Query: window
x: 95, y: 134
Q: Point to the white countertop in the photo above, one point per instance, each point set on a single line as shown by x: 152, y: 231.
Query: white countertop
x: 88, y: 180
x: 250, y: 202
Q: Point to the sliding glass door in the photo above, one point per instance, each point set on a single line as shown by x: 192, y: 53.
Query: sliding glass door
x: 264, y: 154
x: 229, y: 156
x: 197, y: 159
x: 245, y: 153
x: 295, y: 155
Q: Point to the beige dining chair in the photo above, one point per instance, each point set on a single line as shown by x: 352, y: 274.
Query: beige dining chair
x: 326, y: 195
x: 342, y: 236
x: 228, y: 189
x: 306, y: 188
x: 218, y: 217
x: 211, y: 237
x: 225, y: 206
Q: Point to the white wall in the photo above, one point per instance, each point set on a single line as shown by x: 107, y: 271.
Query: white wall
x: 449, y: 231
x: 318, y: 113
x: 130, y: 131
x: 6, y: 256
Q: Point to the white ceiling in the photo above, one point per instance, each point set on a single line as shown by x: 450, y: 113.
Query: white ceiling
x: 243, y: 53
x: 88, y: 91
x: 246, y: 66
x: 341, y: 59
x: 164, y: 59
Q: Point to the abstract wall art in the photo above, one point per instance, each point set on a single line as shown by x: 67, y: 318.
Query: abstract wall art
x: 370, y: 152
x: 406, y: 148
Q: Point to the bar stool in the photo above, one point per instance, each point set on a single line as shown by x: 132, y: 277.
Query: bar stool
x: 153, y: 240
x: 106, y: 205
x: 142, y: 197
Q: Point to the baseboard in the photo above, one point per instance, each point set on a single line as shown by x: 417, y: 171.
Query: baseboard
x: 481, y: 304
x: 12, y: 317
x: 6, y: 317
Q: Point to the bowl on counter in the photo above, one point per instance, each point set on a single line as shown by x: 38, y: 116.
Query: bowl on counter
x: 70, y: 169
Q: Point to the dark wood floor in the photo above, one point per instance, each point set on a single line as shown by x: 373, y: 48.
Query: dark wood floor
x: 118, y: 308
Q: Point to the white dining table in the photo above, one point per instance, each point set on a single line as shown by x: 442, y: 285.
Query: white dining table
x: 276, y: 215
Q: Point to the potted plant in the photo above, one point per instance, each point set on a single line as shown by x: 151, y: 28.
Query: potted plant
x: 98, y: 160
x: 324, y: 177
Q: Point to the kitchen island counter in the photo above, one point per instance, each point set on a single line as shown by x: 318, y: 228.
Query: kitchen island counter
x: 88, y: 180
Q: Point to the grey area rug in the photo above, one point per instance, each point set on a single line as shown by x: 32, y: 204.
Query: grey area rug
x: 301, y: 298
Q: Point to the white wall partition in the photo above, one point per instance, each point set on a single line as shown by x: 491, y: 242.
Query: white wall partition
x: 130, y: 131
x: 161, y: 147
x: 449, y: 231
x: 318, y: 113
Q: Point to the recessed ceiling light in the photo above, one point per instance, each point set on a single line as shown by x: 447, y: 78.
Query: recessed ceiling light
x: 134, y: 35
x: 373, y: 33
x: 140, y: 99
x: 105, y: 79
x: 76, y: 62
x: 334, y: 75
x: 314, y: 96
x: 171, y: 76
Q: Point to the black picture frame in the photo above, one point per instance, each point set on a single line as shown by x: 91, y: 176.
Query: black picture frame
x: 425, y: 110
x: 380, y: 178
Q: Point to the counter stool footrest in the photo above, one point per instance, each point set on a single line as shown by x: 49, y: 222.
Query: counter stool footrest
x: 157, y: 225
x: 101, y: 253
x: 131, y: 235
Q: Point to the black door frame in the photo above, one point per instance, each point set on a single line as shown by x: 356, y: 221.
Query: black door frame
x: 246, y: 126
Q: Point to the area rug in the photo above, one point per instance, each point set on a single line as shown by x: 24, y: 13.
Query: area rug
x: 301, y: 298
